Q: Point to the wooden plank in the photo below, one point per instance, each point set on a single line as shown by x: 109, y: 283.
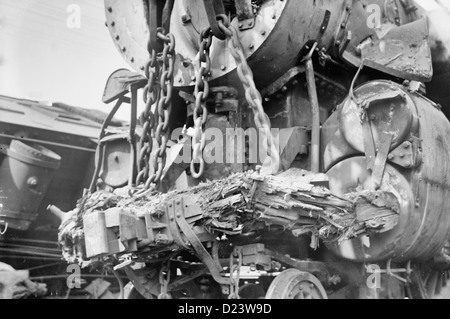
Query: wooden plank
x: 95, y: 234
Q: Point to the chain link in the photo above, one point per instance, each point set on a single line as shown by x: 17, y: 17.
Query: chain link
x: 201, y: 93
x: 252, y: 94
x: 163, y: 66
x: 147, y: 118
x: 235, y: 268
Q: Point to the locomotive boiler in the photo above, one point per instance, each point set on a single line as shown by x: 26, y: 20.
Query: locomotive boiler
x: 353, y: 166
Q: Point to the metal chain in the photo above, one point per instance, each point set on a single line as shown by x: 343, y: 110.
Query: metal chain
x: 163, y: 101
x: 252, y: 94
x: 201, y: 94
x: 148, y: 118
x: 235, y: 268
x: 164, y: 279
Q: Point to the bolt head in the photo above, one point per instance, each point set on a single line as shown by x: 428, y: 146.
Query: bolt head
x: 32, y: 182
x: 185, y: 18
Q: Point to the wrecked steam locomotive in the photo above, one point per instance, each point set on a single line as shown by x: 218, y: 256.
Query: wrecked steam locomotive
x: 287, y: 149
x: 46, y: 159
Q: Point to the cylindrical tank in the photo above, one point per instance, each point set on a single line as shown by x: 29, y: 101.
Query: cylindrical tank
x: 25, y: 174
x: 279, y: 30
x: 417, y: 171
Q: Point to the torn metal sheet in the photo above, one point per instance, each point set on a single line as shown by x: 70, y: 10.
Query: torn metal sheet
x: 403, y: 52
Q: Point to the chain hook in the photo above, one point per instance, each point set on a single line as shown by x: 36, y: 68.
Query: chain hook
x: 252, y: 95
x: 164, y: 279
x: 235, y: 268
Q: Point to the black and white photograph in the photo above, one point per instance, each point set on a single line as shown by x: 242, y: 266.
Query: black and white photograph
x: 223, y: 154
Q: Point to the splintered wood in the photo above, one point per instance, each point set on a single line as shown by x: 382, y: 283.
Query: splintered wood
x: 248, y: 203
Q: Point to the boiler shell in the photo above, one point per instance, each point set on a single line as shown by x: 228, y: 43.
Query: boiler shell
x: 423, y: 227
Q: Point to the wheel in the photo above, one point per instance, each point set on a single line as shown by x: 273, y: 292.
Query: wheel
x: 295, y: 284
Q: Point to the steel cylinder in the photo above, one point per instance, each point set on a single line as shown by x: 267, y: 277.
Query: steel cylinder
x: 280, y: 29
x: 25, y: 175
x: 417, y: 169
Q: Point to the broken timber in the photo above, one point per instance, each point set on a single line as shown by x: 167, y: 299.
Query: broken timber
x: 242, y: 204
